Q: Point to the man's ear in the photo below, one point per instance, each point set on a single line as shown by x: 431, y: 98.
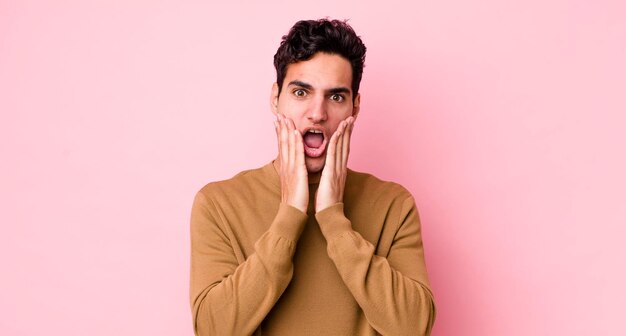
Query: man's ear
x: 356, y: 107
x: 274, y: 99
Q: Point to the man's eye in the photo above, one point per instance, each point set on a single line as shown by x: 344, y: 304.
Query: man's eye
x: 299, y: 93
x: 336, y: 97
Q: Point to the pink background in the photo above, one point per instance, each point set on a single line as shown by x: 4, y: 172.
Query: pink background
x: 504, y: 118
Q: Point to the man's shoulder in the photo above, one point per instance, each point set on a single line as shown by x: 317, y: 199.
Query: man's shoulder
x: 244, y: 181
x: 366, y: 183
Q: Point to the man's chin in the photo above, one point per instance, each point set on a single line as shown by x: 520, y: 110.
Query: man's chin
x: 314, y: 165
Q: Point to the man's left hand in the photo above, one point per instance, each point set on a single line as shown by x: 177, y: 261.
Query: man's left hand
x: 333, y: 180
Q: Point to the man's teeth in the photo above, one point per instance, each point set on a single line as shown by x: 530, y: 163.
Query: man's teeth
x: 315, y: 131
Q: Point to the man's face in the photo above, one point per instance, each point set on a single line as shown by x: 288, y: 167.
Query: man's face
x: 317, y: 96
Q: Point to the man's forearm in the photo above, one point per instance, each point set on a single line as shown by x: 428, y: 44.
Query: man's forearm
x: 393, y: 302
x: 233, y: 299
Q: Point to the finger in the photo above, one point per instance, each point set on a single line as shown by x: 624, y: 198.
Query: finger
x: 277, y: 130
x: 339, y: 147
x: 292, y: 143
x: 346, y: 143
x: 299, y: 149
x: 331, y: 151
x: 284, y: 143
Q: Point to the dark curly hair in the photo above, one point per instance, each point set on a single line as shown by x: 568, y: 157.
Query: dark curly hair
x: 308, y: 37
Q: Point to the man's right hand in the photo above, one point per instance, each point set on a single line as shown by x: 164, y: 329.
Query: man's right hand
x: 294, y: 182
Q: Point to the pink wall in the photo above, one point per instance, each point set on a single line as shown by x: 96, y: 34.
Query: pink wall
x: 504, y: 118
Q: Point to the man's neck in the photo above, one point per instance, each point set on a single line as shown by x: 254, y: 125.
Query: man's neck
x: 313, y: 178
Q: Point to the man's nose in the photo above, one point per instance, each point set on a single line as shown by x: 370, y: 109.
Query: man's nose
x: 317, y: 111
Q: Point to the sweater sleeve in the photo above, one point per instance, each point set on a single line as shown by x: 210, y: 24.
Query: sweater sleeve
x: 232, y: 298
x: 393, y: 290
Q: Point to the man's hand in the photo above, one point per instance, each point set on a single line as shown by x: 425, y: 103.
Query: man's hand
x: 294, y: 184
x: 333, y: 180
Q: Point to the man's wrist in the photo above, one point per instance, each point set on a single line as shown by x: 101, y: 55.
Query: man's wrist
x: 289, y: 222
x: 332, y: 220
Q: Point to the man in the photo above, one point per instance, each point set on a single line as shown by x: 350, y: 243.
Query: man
x: 303, y: 245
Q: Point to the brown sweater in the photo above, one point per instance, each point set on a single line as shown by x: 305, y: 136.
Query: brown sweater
x: 259, y: 266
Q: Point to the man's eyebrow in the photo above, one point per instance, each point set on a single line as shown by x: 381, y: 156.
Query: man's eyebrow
x: 339, y: 90
x: 301, y: 84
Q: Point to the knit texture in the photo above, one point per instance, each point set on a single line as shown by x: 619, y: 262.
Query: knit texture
x: 262, y: 267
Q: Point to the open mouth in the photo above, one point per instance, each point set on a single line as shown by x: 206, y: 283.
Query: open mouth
x: 314, y: 142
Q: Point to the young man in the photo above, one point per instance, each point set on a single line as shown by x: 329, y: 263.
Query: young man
x: 303, y: 245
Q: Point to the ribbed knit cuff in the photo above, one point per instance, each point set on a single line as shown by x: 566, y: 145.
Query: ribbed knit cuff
x: 289, y: 222
x: 333, y: 221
